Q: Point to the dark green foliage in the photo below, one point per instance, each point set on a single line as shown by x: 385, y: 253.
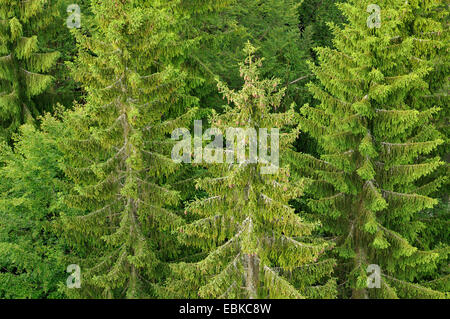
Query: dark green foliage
x: 272, y: 26
x: 59, y: 37
x: 315, y: 15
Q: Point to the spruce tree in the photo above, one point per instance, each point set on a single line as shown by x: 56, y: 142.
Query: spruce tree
x: 64, y: 90
x: 24, y: 63
x: 256, y: 246
x: 316, y: 14
x: 429, y: 22
x: 373, y: 142
x: 273, y: 26
x: 119, y: 154
x: 31, y: 190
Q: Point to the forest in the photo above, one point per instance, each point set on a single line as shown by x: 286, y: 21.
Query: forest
x: 224, y: 149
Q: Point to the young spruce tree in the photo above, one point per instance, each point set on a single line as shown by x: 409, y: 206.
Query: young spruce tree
x: 374, y: 141
x: 256, y: 245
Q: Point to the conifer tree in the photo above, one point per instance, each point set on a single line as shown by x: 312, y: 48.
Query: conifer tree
x: 374, y: 141
x: 316, y: 14
x: 429, y: 21
x: 256, y: 245
x: 24, y: 63
x: 272, y: 25
x: 117, y: 157
x: 119, y: 153
x: 58, y: 36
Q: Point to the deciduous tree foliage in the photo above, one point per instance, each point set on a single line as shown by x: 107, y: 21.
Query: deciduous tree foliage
x: 31, y: 190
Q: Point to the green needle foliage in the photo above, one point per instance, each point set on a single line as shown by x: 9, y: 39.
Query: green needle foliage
x: 256, y: 245
x: 429, y: 22
x: 361, y: 183
x: 117, y: 156
x: 24, y: 63
x: 273, y: 26
x: 374, y: 140
x: 315, y: 15
x: 31, y: 190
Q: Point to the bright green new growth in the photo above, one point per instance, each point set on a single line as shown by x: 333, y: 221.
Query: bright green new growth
x: 365, y: 187
x: 256, y: 245
x: 23, y: 62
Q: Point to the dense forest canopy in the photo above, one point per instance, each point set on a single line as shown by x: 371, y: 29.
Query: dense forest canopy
x: 224, y: 149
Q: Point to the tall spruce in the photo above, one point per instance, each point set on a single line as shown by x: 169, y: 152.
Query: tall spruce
x: 256, y: 245
x: 24, y: 63
x: 119, y: 156
x: 374, y: 141
x: 428, y: 22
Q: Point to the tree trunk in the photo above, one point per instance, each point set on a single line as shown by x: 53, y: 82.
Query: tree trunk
x: 252, y: 276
